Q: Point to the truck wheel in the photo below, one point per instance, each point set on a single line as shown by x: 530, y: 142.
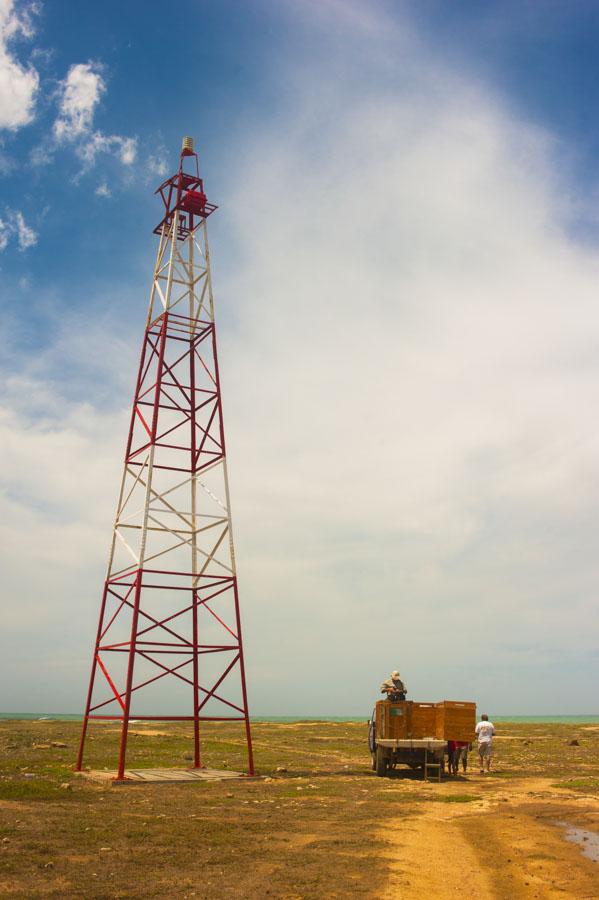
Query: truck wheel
x: 373, y: 757
x: 381, y: 762
x: 372, y: 734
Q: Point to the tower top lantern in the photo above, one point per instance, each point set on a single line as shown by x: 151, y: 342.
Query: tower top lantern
x: 184, y: 194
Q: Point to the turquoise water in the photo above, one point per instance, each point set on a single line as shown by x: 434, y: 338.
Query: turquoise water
x: 556, y: 719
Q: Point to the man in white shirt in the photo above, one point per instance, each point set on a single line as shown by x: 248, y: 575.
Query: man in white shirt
x: 484, y: 732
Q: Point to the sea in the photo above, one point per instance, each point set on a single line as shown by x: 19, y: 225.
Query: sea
x: 532, y: 719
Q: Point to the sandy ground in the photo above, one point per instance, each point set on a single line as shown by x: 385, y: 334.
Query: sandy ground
x: 508, y: 845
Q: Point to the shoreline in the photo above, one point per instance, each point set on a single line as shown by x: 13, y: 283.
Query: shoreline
x: 551, y: 719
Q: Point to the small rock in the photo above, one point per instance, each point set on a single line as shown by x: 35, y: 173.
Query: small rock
x: 6, y: 840
x: 527, y: 743
x: 228, y: 795
x: 66, y: 786
x: 49, y: 865
x: 280, y: 769
x: 268, y: 778
x: 29, y: 775
x: 188, y: 756
x: 573, y: 743
x: 105, y: 849
x: 57, y: 744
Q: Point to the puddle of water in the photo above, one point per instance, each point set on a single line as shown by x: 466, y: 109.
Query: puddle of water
x: 588, y: 840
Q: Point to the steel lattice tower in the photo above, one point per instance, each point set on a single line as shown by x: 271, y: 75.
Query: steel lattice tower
x: 170, y: 606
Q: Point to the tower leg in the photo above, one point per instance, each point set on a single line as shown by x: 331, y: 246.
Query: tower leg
x: 246, y: 713
x: 130, y: 667
x: 92, y: 677
x: 197, y: 758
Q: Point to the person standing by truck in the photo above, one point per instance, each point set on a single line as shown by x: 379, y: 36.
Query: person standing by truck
x: 456, y: 751
x: 394, y: 687
x: 484, y: 732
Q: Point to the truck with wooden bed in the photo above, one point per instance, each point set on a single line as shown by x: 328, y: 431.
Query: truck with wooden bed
x: 416, y: 734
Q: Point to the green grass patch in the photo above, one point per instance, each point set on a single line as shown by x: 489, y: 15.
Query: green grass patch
x: 32, y: 790
x: 579, y: 784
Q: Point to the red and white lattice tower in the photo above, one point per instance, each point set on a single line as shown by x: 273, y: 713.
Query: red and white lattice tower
x: 169, y: 615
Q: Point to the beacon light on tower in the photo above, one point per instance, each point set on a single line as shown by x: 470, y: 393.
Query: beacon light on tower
x: 169, y: 633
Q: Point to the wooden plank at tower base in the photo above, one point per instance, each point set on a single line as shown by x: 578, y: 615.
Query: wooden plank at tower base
x: 455, y: 720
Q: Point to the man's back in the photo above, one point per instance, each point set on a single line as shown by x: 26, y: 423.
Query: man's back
x: 485, y: 731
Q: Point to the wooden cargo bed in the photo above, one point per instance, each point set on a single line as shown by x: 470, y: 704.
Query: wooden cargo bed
x: 407, y: 720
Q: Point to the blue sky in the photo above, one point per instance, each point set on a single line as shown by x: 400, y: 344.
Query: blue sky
x: 405, y: 263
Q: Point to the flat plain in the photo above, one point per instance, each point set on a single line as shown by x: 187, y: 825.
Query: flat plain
x: 326, y: 826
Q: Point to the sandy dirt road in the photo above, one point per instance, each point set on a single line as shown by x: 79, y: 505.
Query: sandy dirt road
x: 509, y: 844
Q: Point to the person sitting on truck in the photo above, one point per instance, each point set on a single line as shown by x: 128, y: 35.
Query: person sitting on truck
x: 394, y: 687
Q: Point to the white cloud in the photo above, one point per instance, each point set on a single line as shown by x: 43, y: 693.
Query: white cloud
x: 4, y: 234
x: 124, y: 148
x: 7, y: 163
x: 128, y: 151
x: 157, y: 164
x: 80, y: 94
x: 18, y: 84
x: 26, y: 236
x: 102, y: 190
x: 14, y: 225
x: 409, y: 399
x: 42, y: 154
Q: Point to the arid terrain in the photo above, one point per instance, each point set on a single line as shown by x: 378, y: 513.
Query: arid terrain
x: 318, y: 824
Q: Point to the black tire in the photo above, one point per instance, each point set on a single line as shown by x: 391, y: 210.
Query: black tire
x: 381, y: 762
x: 372, y: 735
x: 373, y: 757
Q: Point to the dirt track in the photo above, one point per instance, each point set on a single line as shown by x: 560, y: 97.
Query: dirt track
x: 507, y: 845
